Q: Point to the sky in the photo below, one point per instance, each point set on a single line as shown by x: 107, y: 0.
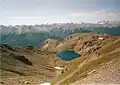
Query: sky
x: 17, y: 12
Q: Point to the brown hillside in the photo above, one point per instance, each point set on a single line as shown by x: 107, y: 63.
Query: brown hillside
x: 27, y: 64
x: 99, y: 58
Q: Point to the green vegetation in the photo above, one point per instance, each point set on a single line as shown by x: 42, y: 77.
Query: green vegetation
x: 111, y: 31
x: 37, y: 39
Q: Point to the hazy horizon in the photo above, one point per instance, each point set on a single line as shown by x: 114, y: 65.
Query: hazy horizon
x: 30, y: 12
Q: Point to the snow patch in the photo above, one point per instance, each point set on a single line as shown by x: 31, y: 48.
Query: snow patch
x: 100, y: 38
x: 59, y: 68
x: 47, y: 83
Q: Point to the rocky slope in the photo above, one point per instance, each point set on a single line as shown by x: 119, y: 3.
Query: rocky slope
x: 27, y: 65
x: 99, y: 63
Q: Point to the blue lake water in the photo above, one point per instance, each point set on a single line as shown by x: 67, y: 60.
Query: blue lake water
x: 68, y: 55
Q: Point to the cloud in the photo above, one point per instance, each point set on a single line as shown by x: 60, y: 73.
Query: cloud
x: 75, y: 17
x: 24, y: 18
x: 95, y: 16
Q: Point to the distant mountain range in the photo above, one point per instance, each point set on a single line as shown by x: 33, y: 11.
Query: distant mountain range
x: 36, y: 34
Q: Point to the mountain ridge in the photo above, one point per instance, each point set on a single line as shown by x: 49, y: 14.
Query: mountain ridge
x: 37, y: 34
